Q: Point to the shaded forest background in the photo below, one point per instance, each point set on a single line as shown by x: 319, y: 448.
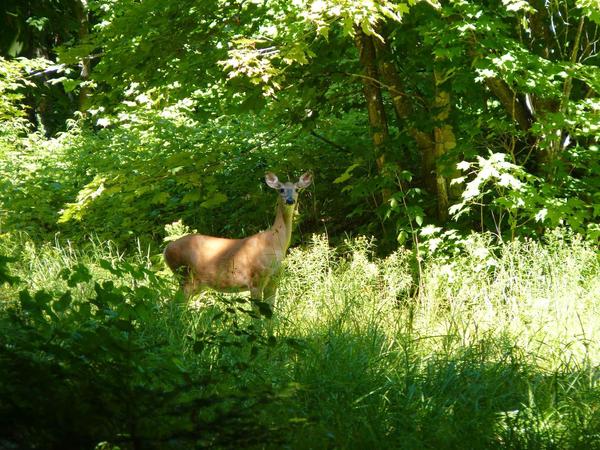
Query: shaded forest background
x: 119, y: 118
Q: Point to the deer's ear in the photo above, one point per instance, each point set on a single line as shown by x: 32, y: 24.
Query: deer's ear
x: 272, y: 180
x: 304, y: 180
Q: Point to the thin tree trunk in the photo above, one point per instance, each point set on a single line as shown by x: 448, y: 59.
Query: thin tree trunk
x: 372, y: 92
x: 555, y: 145
x: 81, y: 10
x: 391, y: 80
x: 551, y: 153
x: 403, y: 110
x: 444, y: 141
x: 433, y: 146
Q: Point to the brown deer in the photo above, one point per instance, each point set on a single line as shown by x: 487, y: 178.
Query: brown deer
x: 235, y: 265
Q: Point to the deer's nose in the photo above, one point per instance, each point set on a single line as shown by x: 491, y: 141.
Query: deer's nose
x: 289, y: 201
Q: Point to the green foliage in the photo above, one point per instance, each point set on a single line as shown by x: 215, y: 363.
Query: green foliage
x: 14, y: 79
x: 292, y: 33
x: 497, y: 340
x: 168, y: 138
x: 184, y: 127
x: 33, y: 28
x: 505, y: 184
x: 487, y: 352
x: 499, y: 191
x: 96, y: 353
x: 35, y: 184
x: 31, y: 191
x: 526, y: 98
x: 5, y: 277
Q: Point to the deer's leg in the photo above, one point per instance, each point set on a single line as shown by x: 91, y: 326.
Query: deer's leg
x: 260, y: 295
x: 189, y: 285
x: 270, y: 291
x: 188, y: 289
x: 256, y: 293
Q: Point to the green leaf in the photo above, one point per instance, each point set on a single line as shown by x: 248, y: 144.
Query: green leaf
x: 199, y: 346
x: 42, y: 297
x: 160, y: 198
x: 191, y: 197
x: 5, y: 277
x: 216, y: 199
x: 347, y: 174
x: 27, y: 302
x: 79, y: 274
x: 402, y: 237
x: 264, y: 309
x: 63, y: 302
x: 70, y: 85
x: 107, y: 265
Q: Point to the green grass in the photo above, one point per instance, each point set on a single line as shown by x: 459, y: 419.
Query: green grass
x: 499, y: 348
x: 494, y: 347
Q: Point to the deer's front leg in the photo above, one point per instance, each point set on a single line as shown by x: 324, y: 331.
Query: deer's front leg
x: 270, y: 291
x: 189, y: 288
x: 256, y: 293
x: 190, y: 284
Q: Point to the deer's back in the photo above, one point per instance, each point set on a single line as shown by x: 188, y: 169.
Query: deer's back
x: 220, y: 262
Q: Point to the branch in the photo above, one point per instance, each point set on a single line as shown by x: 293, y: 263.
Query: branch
x: 515, y: 108
x: 569, y: 81
x: 327, y: 141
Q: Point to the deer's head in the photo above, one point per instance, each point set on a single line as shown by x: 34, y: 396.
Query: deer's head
x: 288, y: 191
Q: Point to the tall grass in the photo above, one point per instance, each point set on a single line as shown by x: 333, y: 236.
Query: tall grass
x: 494, y: 347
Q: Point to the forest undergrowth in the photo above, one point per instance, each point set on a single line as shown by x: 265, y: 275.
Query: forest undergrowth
x: 490, y: 346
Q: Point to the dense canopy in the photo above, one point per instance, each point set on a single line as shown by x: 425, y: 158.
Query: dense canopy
x: 409, y: 114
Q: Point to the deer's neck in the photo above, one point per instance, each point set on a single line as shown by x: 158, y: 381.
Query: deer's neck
x: 282, y: 227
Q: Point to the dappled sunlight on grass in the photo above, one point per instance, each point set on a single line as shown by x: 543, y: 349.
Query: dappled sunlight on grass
x: 495, y: 346
x: 500, y: 353
x: 542, y: 295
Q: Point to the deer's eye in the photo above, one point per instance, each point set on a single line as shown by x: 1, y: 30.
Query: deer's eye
x: 281, y: 190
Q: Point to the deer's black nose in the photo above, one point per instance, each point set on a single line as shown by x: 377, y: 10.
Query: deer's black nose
x: 289, y: 201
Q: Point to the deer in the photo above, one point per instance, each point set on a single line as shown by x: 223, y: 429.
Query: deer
x: 239, y: 265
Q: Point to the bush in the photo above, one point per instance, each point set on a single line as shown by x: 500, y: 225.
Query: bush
x: 104, y: 355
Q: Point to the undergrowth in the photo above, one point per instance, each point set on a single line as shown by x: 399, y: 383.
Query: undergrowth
x: 496, y: 346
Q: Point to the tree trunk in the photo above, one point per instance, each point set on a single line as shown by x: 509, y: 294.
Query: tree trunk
x: 554, y: 149
x: 81, y: 10
x: 444, y: 141
x: 372, y: 92
x: 391, y: 80
x: 434, y: 145
x: 403, y: 109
